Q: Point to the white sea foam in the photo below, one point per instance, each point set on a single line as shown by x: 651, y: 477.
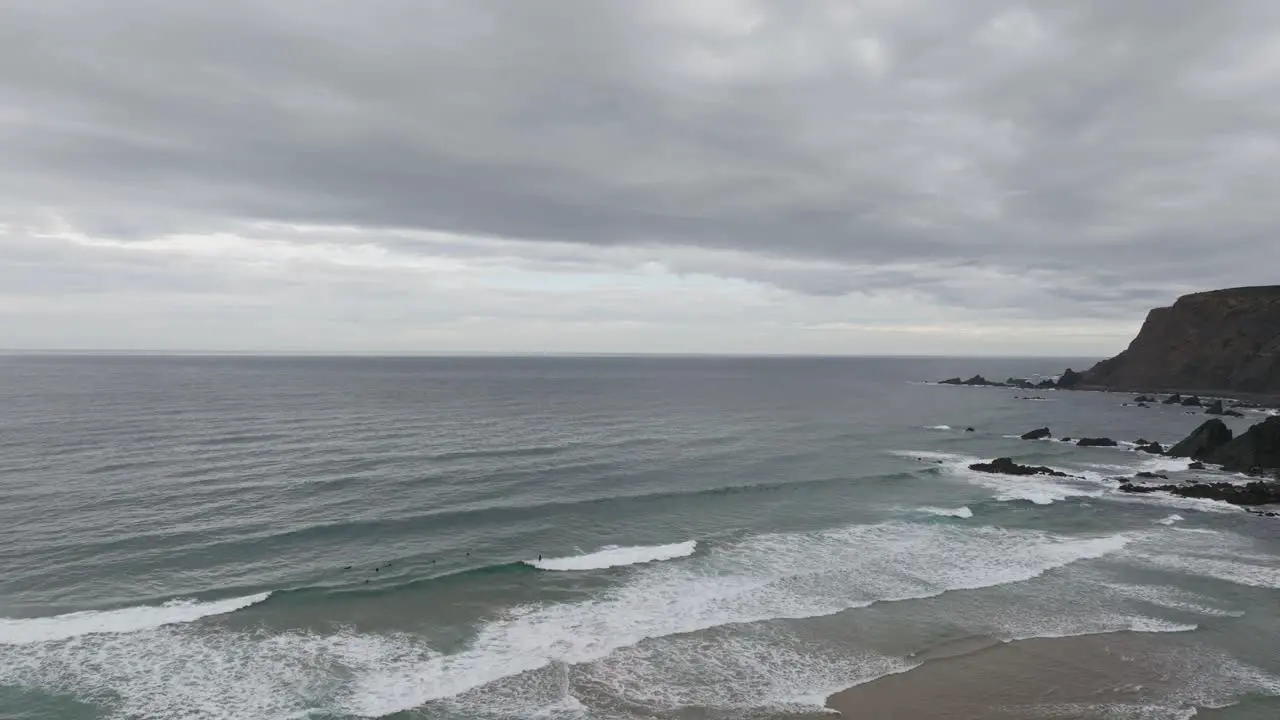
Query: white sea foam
x: 961, y: 512
x: 614, y: 556
x: 1171, y: 519
x: 24, y: 631
x: 1039, y: 489
x: 1208, y: 553
x: 1114, y: 711
x: 937, y: 427
x: 164, y: 672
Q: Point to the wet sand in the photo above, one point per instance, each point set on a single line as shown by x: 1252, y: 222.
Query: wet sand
x: 1095, y: 676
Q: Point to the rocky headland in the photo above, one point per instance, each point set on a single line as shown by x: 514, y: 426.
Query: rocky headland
x: 1221, y: 342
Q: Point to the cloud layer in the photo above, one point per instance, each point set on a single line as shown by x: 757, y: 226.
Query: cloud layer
x: 576, y: 175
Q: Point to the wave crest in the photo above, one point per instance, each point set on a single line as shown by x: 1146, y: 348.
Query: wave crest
x: 614, y: 556
x: 27, y: 631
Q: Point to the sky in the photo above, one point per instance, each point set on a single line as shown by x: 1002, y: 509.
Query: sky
x: 721, y: 176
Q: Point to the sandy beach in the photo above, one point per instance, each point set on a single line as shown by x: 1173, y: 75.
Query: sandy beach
x: 1094, y: 676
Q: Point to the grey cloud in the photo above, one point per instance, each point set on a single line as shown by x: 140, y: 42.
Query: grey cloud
x: 1125, y: 150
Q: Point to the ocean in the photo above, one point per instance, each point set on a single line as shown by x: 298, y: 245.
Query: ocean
x: 611, y: 537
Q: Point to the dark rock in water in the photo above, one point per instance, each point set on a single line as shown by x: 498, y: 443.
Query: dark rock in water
x: 1215, y: 408
x: 1211, y: 435
x: 1069, y: 379
x: 1066, y: 439
x: 1144, y: 399
x: 1006, y: 466
x: 1097, y: 442
x: 1020, y: 383
x: 1232, y: 413
x: 975, y: 381
x: 969, y: 429
x: 1223, y: 341
x: 979, y: 380
x: 1257, y: 447
x: 1154, y: 448
x: 1045, y: 384
x: 1141, y: 441
x: 1173, y: 399
x: 1254, y: 493
x: 1197, y: 465
x: 1194, y: 400
x: 1037, y: 434
x: 1151, y: 476
x: 1143, y: 405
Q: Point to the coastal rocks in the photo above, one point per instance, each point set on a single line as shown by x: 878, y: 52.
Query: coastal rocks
x: 1019, y: 383
x: 1193, y: 401
x: 1173, y: 399
x: 969, y: 429
x: 1069, y: 379
x: 1151, y: 476
x: 1257, y: 447
x: 1154, y: 448
x: 1096, y: 442
x: 1037, y: 434
x: 1203, y: 441
x: 1214, y: 408
x: 975, y: 381
x: 1144, y: 399
x: 1006, y: 466
x: 1197, y: 465
x: 1254, y: 493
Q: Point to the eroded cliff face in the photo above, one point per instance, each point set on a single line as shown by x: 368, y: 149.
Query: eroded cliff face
x: 1223, y: 340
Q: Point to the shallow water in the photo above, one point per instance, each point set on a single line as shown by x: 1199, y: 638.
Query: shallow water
x: 719, y: 538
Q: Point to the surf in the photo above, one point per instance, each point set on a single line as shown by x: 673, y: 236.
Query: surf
x: 27, y: 631
x: 614, y: 556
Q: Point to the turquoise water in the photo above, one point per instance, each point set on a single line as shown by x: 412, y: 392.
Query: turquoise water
x: 719, y: 538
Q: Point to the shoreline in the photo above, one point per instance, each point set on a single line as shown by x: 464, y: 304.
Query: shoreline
x: 1075, y: 677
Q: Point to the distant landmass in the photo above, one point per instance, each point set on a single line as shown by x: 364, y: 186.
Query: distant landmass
x: 1221, y: 341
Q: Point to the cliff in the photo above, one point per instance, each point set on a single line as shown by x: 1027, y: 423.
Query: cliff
x: 1223, y: 341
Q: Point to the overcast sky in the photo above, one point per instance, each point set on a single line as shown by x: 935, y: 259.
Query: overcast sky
x: 853, y: 176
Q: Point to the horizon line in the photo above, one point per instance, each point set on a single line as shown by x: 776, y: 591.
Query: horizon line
x: 106, y: 352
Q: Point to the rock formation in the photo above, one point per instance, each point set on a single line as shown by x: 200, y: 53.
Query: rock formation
x: 975, y: 381
x: 1070, y: 379
x: 1254, y: 493
x: 1223, y: 340
x: 1153, y: 447
x: 1203, y: 441
x: 1006, y: 466
x: 1258, y: 447
x: 1096, y: 442
x: 1037, y: 434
